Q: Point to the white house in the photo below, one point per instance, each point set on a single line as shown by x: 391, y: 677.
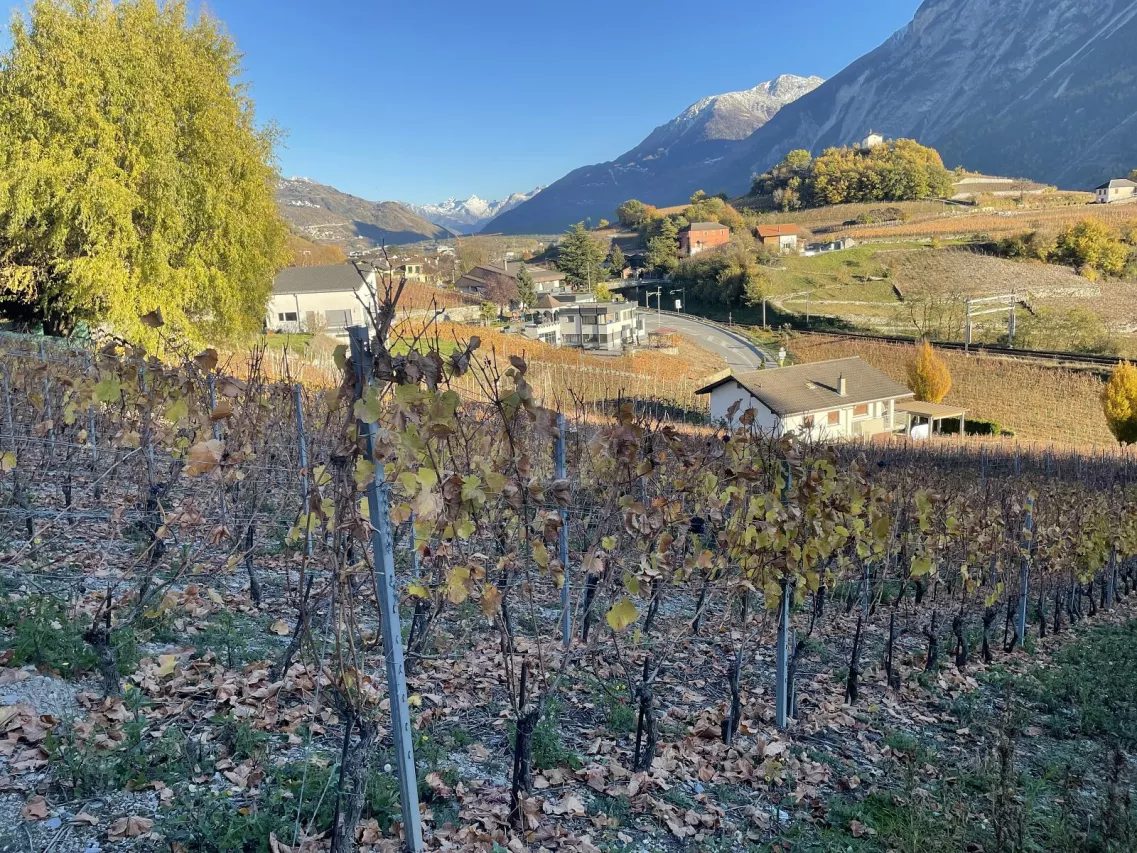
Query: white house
x: 331, y: 297
x: 586, y: 323
x: 1119, y: 189
x: 872, y: 140
x: 842, y: 398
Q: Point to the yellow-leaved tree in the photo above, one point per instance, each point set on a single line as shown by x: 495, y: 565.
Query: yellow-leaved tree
x: 1119, y: 402
x: 133, y: 174
x: 928, y: 375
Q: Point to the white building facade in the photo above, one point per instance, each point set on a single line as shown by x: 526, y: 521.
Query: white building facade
x: 1119, y: 189
x: 325, y: 298
x: 830, y: 400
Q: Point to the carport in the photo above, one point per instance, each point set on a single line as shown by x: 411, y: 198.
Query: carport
x: 933, y: 413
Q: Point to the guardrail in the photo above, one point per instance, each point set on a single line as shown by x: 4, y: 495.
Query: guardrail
x: 767, y: 357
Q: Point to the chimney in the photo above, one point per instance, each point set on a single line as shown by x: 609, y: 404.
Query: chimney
x: 841, y: 389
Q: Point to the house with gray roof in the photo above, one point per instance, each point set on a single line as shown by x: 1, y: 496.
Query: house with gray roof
x: 1119, y: 189
x: 325, y: 298
x: 842, y: 398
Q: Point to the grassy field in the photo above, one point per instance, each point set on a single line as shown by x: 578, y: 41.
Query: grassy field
x: 883, y: 287
x: 1040, y: 403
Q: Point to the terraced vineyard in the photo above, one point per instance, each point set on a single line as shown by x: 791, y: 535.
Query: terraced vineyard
x: 618, y: 632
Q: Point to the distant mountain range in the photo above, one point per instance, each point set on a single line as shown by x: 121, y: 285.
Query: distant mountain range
x: 469, y: 216
x: 327, y: 215
x: 1045, y: 89
x: 663, y: 169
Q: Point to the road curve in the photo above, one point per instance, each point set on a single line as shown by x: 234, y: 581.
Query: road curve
x: 740, y: 353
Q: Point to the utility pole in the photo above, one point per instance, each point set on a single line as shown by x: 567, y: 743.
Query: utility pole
x: 764, y: 326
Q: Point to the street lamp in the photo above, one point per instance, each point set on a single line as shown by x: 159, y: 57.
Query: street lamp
x: 658, y: 294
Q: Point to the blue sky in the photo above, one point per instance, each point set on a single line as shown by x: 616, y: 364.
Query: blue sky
x: 425, y: 99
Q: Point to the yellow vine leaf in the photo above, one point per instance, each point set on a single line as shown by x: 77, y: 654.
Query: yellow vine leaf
x: 540, y: 554
x: 622, y: 614
x: 108, y: 390
x: 456, y: 591
x: 921, y: 566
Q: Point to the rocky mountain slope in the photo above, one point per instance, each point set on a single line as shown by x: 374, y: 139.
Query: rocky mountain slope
x: 470, y: 215
x: 663, y: 169
x: 1037, y: 88
x: 323, y: 213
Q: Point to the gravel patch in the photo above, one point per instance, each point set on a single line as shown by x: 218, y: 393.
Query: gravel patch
x: 47, y: 695
x: 18, y: 835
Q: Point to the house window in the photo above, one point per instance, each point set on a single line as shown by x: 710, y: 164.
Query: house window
x: 861, y: 411
x: 807, y: 422
x: 287, y: 316
x: 338, y: 318
x: 834, y: 418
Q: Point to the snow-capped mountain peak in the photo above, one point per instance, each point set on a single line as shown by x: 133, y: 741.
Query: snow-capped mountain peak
x: 467, y: 216
x: 729, y: 116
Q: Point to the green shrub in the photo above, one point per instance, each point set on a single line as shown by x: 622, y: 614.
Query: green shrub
x: 45, y: 635
x: 972, y: 426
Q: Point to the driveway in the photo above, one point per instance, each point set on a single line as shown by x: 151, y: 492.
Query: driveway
x: 741, y: 353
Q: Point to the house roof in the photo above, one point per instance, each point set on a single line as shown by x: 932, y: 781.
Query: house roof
x: 777, y: 231
x: 471, y: 281
x: 331, y: 278
x: 937, y: 411
x: 814, y: 387
x: 705, y: 226
x: 547, y: 301
x: 1117, y: 183
x: 539, y: 274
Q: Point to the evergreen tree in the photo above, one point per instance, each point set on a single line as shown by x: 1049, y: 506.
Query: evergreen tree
x: 133, y: 174
x: 663, y: 248
x: 581, y: 257
x: 617, y: 263
x: 526, y: 290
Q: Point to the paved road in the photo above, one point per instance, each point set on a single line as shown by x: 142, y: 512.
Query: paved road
x: 740, y: 353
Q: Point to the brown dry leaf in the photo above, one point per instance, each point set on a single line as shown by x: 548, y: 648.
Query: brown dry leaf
x: 35, y: 808
x: 129, y: 827
x: 206, y: 360
x: 222, y: 411
x: 204, y: 457
x: 153, y: 319
x: 84, y: 818
x: 859, y: 829
x: 491, y: 600
x: 280, y: 628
